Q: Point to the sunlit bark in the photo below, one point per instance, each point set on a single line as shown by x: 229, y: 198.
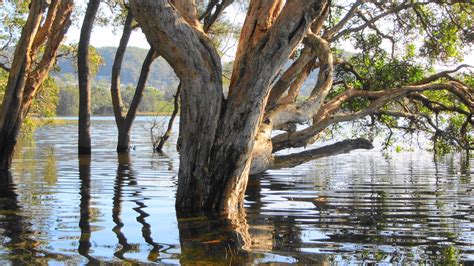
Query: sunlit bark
x: 28, y: 72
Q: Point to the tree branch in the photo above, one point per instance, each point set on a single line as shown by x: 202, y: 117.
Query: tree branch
x: 326, y: 116
x: 345, y: 146
x: 302, y: 112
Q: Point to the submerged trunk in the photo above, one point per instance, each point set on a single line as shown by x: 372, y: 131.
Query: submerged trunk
x: 84, y: 77
x: 124, y: 122
x: 29, y: 70
x: 217, y: 136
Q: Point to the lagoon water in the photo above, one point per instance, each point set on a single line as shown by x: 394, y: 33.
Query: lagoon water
x: 361, y: 207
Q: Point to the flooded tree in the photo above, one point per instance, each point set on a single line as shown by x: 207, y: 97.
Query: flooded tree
x: 34, y: 56
x: 224, y: 139
x: 83, y: 73
x: 125, y: 121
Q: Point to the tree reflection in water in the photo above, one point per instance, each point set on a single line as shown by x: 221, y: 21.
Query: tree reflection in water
x: 13, y: 227
x: 126, y: 173
x: 220, y: 240
x: 85, y: 207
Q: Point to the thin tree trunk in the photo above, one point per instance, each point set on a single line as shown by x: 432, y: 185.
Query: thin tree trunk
x: 124, y: 123
x: 83, y: 72
x: 124, y: 131
x: 123, y: 136
x: 167, y: 134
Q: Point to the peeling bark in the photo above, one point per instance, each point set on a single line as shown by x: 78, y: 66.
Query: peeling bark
x: 216, y: 144
x: 27, y: 74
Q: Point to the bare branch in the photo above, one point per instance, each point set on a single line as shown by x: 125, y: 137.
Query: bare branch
x: 345, y: 146
x: 390, y: 11
x: 210, y: 17
x: 326, y: 116
x: 443, y: 74
x: 349, y: 15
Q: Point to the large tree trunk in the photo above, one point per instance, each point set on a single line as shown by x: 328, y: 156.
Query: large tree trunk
x: 84, y: 142
x: 217, y: 143
x: 220, y: 138
x: 28, y: 72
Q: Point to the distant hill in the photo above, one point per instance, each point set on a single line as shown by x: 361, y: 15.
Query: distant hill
x: 161, y: 74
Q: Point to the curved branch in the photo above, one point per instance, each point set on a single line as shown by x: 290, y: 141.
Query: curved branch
x: 349, y: 15
x: 299, y: 113
x: 307, y: 55
x: 326, y: 116
x: 117, y: 67
x: 443, y: 74
x: 137, y: 97
x: 345, y: 146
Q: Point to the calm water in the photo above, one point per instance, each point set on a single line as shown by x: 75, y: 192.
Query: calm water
x: 349, y: 209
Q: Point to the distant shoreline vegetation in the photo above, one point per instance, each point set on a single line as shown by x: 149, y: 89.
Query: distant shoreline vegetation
x: 154, y: 101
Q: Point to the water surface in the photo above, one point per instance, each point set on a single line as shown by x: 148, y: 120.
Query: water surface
x: 360, y: 207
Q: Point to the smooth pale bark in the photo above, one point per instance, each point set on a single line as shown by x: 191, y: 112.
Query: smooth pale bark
x: 302, y: 112
x: 294, y: 159
x: 28, y: 72
x: 84, y: 142
x: 216, y: 144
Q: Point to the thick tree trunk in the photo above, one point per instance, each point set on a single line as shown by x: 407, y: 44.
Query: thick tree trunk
x: 84, y: 143
x: 217, y: 143
x: 197, y: 64
x: 27, y: 74
x: 11, y: 112
x: 231, y: 156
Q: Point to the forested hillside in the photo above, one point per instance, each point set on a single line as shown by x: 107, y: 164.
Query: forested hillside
x: 161, y: 75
